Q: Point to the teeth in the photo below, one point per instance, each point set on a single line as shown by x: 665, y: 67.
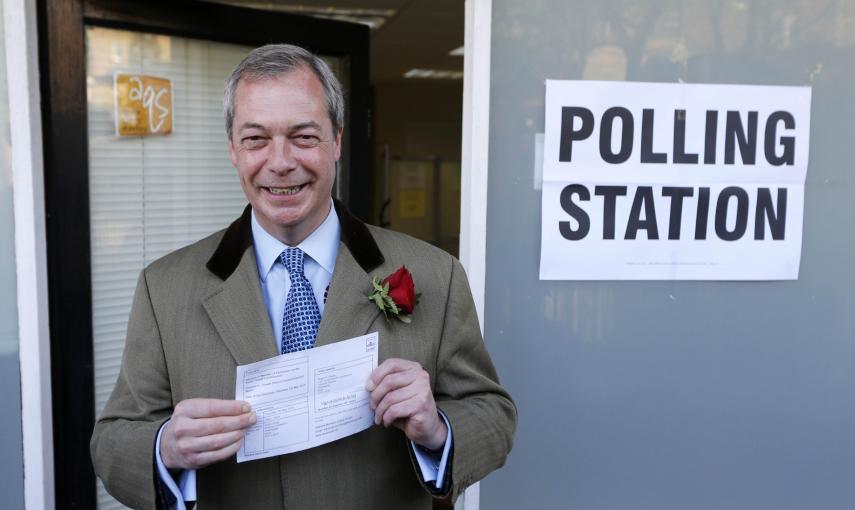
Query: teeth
x: 285, y: 191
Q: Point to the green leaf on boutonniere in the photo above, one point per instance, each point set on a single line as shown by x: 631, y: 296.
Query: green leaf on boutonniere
x: 379, y: 300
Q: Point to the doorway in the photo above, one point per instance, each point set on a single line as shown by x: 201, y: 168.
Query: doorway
x: 115, y: 203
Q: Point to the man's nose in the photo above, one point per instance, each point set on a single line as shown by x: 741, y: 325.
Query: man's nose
x: 281, y: 157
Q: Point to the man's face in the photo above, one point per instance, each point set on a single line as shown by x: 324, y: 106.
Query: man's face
x: 284, y: 148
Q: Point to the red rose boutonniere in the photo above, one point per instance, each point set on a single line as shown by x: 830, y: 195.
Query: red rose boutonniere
x: 395, y: 296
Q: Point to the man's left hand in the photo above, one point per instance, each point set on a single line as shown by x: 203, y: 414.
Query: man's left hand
x: 401, y: 396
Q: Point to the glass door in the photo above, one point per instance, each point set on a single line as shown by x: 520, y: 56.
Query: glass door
x: 151, y: 194
x: 143, y: 169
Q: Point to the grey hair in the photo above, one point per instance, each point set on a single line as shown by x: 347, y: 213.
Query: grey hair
x: 274, y: 60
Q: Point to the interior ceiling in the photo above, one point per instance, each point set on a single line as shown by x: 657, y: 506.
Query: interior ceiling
x: 419, y: 34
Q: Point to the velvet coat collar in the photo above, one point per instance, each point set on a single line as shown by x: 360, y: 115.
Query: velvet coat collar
x: 238, y: 237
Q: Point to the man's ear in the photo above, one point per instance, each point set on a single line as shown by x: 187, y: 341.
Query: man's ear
x: 338, y: 144
x: 232, y: 153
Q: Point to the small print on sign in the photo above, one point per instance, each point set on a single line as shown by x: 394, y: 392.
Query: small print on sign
x: 143, y: 105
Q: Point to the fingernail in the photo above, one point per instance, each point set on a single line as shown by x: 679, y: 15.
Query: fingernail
x: 252, y: 418
x: 370, y: 385
x: 246, y: 408
x: 376, y: 420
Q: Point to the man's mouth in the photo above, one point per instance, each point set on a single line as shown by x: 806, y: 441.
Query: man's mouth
x: 291, y: 190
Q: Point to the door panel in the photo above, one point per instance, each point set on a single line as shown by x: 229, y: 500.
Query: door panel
x: 115, y: 203
x: 149, y: 195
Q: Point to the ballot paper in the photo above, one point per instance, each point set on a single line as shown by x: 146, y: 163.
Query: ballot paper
x: 308, y: 398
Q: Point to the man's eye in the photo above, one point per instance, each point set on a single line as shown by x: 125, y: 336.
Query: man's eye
x: 307, y: 140
x: 253, y: 141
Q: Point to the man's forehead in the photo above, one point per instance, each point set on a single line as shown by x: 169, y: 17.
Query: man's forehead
x: 252, y: 109
x: 300, y: 77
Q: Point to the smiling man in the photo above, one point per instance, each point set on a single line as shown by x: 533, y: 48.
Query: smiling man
x: 285, y: 148
x: 293, y: 272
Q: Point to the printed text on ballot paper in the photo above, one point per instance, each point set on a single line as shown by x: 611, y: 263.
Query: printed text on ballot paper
x: 308, y: 398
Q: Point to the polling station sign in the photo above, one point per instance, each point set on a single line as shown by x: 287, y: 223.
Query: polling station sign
x: 671, y: 181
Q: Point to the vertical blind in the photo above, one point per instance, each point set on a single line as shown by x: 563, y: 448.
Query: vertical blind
x: 150, y: 195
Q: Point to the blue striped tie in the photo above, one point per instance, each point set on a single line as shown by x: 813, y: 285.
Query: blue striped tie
x: 302, y: 317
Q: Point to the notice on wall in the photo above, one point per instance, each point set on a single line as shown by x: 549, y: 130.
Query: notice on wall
x: 662, y: 181
x: 143, y: 105
x: 412, y: 189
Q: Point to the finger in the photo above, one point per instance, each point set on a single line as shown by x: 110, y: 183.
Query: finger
x: 202, y: 459
x: 213, y: 443
x: 391, y: 399
x: 403, y: 411
x: 211, y: 407
x: 414, y: 413
x: 389, y: 366
x: 390, y: 383
x: 200, y: 427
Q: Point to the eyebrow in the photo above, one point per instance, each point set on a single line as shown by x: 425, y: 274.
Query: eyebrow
x: 296, y: 127
x: 303, y: 125
x: 251, y: 125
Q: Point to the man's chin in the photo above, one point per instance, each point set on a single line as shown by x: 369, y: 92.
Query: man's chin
x: 282, y: 212
x: 287, y: 221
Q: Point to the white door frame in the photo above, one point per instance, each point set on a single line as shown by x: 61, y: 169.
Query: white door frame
x: 473, y: 173
x: 22, y: 57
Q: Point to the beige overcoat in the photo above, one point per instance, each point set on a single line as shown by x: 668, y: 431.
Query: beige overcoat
x: 199, y: 312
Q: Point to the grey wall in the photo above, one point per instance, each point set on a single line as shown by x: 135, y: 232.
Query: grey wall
x: 674, y: 394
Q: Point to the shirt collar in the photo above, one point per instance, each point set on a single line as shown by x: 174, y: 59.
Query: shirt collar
x: 321, y: 245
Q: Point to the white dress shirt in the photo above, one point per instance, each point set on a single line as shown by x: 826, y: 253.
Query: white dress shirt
x: 321, y: 249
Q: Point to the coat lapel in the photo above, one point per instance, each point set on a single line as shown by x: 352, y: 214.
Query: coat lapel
x: 237, y: 307
x: 238, y: 312
x: 348, y: 312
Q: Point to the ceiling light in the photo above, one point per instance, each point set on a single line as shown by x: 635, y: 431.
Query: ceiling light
x: 374, y: 18
x: 435, y: 74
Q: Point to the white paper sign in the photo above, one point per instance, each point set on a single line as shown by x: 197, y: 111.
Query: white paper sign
x: 307, y: 398
x: 661, y: 181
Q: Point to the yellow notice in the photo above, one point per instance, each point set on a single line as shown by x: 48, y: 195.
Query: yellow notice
x: 143, y: 105
x: 412, y: 203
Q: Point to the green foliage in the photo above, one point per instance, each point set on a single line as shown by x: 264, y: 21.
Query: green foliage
x: 380, y: 296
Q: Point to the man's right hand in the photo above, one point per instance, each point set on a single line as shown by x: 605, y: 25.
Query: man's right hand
x: 203, y: 431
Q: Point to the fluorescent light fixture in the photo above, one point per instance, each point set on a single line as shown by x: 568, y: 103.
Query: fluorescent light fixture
x: 434, y: 74
x: 374, y: 18
x: 456, y: 52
